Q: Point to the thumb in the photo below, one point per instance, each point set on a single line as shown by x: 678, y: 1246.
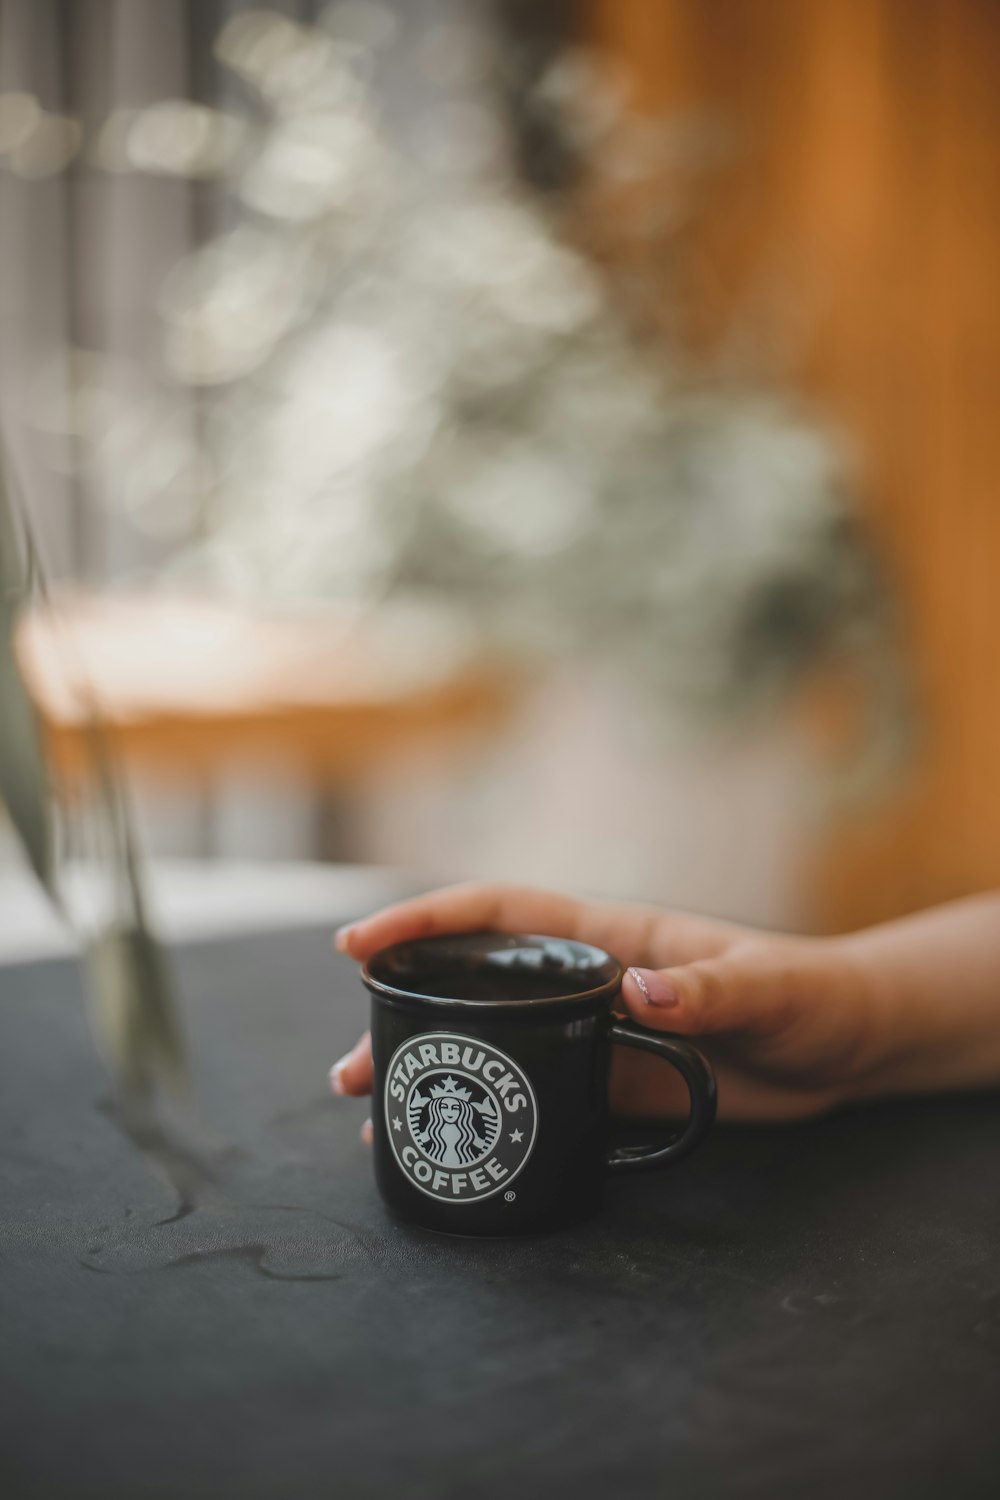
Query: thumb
x: 734, y: 992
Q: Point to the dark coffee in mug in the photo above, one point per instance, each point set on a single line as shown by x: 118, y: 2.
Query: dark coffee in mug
x: 490, y: 1103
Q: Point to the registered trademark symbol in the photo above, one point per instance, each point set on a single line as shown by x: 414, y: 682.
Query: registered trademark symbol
x: 509, y: 1195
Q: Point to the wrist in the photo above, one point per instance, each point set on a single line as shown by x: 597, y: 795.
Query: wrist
x: 930, y: 1023
x: 878, y: 1034
x: 889, y: 1033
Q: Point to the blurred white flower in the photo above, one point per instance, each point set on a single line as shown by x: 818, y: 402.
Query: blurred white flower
x: 588, y: 93
x: 178, y: 137
x: 422, y: 387
x: 19, y: 114
x: 519, y: 501
x: 229, y: 304
x: 45, y: 143
x: 278, y: 56
x: 311, y: 164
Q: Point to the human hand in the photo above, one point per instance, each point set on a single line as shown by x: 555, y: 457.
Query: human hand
x: 788, y: 1023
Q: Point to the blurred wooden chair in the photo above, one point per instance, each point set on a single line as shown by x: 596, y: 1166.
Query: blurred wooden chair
x: 186, y: 690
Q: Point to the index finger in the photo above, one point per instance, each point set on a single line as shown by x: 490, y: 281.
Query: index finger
x: 634, y: 934
x: 464, y: 908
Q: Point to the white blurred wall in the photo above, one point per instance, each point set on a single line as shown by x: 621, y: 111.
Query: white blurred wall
x: 588, y: 794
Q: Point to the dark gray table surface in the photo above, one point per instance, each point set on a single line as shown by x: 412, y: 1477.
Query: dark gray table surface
x: 804, y: 1312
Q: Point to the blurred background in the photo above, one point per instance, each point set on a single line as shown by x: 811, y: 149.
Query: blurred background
x: 546, y: 439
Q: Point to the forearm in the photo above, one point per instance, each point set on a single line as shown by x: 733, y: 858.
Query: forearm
x: 932, y: 983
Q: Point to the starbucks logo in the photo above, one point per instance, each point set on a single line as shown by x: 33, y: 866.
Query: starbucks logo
x: 460, y: 1116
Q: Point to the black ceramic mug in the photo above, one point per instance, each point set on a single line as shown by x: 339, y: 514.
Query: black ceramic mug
x: 490, y: 1101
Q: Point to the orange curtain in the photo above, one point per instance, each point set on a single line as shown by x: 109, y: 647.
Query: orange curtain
x: 863, y: 190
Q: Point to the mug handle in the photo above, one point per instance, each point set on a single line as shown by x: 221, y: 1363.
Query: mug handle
x: 700, y: 1080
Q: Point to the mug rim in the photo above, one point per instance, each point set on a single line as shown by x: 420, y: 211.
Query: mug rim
x: 591, y: 996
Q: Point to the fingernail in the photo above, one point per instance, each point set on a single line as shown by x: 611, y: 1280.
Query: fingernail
x: 655, y: 988
x: 336, y: 1082
x: 342, y: 938
x: 366, y: 1132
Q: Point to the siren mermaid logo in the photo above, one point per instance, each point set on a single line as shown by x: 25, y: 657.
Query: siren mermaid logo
x: 451, y: 1129
x: 460, y: 1116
